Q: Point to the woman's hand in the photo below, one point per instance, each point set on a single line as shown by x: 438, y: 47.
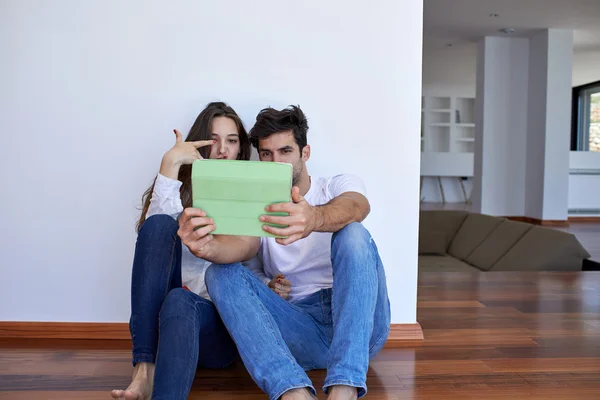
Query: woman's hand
x: 281, y: 286
x: 181, y: 153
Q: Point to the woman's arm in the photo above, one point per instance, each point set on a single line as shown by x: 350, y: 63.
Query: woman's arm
x: 195, y: 232
x: 166, y: 198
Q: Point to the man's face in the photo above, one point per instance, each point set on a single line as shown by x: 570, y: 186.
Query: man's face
x: 282, y: 147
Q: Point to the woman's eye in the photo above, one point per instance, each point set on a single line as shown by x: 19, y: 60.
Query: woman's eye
x: 234, y: 141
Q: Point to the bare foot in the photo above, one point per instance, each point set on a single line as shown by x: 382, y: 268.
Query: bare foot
x: 298, y: 394
x: 342, y: 392
x: 140, y: 387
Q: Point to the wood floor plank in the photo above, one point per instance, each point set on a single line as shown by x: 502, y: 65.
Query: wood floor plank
x: 562, y: 379
x: 501, y: 393
x: 552, y: 306
x: 442, y: 353
x: 451, y: 381
x: 566, y: 364
x: 450, y: 304
x: 59, y: 395
x: 438, y: 367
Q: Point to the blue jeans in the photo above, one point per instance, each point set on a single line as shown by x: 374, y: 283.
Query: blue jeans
x: 339, y: 329
x: 192, y: 335
x: 156, y: 270
x: 171, y: 326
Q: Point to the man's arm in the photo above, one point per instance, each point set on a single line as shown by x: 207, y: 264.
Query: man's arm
x: 303, y: 218
x: 194, y: 230
x: 340, y: 211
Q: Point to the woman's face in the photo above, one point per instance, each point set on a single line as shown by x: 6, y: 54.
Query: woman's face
x: 224, y: 132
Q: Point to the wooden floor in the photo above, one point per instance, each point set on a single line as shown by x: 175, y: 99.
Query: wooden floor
x: 588, y: 233
x: 494, y: 335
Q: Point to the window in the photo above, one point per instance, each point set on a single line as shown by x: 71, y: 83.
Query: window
x: 585, y: 126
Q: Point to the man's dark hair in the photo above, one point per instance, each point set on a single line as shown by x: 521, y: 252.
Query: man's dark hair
x: 270, y: 121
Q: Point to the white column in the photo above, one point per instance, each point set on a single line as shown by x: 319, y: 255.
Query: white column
x: 523, y: 116
x: 549, y: 119
x: 501, y: 126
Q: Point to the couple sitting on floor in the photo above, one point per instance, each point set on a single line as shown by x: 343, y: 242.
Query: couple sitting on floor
x: 316, y: 299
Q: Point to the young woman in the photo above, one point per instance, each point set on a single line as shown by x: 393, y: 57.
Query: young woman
x: 174, y: 325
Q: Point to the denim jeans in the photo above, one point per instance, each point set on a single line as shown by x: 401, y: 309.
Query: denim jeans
x: 156, y: 270
x: 171, y: 326
x: 339, y: 329
x: 192, y: 335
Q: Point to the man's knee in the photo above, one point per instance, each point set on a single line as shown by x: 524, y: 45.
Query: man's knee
x: 223, y: 275
x: 353, y: 235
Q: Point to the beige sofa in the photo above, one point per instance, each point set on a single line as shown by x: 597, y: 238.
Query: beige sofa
x: 463, y: 241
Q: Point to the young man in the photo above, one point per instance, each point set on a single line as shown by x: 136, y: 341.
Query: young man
x: 337, y: 315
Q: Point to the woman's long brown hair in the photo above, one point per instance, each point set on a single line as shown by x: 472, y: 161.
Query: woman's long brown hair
x: 201, y: 130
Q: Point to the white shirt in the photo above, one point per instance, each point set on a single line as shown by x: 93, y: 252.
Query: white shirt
x: 166, y: 199
x: 306, y: 263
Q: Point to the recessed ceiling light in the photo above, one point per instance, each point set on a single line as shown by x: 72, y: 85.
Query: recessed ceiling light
x: 494, y: 15
x: 507, y: 30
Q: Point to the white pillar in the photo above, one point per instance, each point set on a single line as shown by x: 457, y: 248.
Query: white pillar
x: 501, y: 126
x: 549, y: 124
x: 523, y: 112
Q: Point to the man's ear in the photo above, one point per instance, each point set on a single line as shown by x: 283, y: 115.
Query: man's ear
x: 306, y: 153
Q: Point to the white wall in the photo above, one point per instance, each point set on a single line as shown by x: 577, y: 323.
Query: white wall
x: 455, y: 67
x: 92, y: 91
x: 584, y: 182
x: 449, y: 90
x: 450, y: 66
x: 501, y: 126
x: 586, y: 67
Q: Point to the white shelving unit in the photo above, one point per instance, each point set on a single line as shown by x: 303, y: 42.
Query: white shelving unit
x: 448, y: 124
x: 447, y: 141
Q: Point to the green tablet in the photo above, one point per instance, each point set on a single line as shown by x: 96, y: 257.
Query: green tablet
x: 235, y: 193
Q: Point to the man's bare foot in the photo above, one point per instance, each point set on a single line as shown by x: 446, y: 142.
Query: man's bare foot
x: 343, y: 392
x: 298, y: 394
x: 140, y: 387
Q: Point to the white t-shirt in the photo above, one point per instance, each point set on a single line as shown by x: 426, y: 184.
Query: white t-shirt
x: 306, y: 263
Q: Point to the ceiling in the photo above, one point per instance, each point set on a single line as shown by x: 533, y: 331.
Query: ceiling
x: 464, y: 22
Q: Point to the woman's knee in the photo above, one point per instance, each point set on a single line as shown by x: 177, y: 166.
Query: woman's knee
x: 179, y: 303
x: 159, y: 223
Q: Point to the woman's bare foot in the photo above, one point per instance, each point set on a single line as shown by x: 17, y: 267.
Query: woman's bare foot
x: 140, y: 387
x: 343, y: 392
x: 298, y: 394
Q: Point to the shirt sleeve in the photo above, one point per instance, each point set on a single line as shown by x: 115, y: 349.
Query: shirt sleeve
x: 166, y: 198
x: 345, y: 183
